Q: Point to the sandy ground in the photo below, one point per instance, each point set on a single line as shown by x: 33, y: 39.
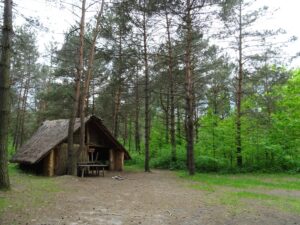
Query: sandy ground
x: 159, y: 197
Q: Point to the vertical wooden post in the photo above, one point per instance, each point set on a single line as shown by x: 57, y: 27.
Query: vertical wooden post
x: 49, y: 164
x: 87, y: 135
x: 121, y: 161
x: 111, y: 160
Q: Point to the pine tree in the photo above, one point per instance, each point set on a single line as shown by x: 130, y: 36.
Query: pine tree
x: 4, y: 92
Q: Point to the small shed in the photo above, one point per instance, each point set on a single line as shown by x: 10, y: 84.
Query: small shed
x: 46, y: 151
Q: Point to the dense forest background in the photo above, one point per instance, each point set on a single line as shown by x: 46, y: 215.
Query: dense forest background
x: 188, y: 84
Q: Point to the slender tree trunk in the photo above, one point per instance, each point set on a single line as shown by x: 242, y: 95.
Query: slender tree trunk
x: 17, y: 125
x: 189, y: 94
x: 72, y: 155
x: 171, y: 86
x: 93, y: 97
x: 167, y: 116
x: 23, y: 110
x: 88, y: 76
x: 214, y: 123
x: 4, y: 92
x: 178, y: 126
x: 166, y: 109
x: 21, y: 116
x: 117, y: 99
x: 137, y: 116
x: 239, y: 95
x: 130, y: 132
x: 117, y: 106
x: 197, y: 125
x: 147, y: 97
x: 125, y: 137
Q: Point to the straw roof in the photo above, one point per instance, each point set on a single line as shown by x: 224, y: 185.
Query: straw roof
x: 54, y: 132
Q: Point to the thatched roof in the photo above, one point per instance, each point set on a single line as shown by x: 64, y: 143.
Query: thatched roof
x: 54, y: 132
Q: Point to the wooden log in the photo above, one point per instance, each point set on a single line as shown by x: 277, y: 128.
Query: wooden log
x: 49, y: 164
x: 111, y: 160
x: 121, y: 161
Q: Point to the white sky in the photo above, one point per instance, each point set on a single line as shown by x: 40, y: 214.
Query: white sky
x: 59, y: 20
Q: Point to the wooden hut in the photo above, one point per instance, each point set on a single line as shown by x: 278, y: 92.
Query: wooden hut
x: 46, y: 151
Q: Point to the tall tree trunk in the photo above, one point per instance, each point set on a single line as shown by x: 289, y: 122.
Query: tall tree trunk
x: 19, y: 136
x: 130, y: 132
x: 214, y: 121
x: 17, y: 125
x: 23, y: 112
x: 196, y: 122
x: 137, y: 116
x: 167, y: 118
x: 125, y: 136
x: 24, y: 105
x: 93, y: 97
x: 171, y: 86
x: 147, y: 97
x: 166, y: 109
x: 87, y: 80
x: 239, y: 94
x: 72, y: 155
x: 117, y: 99
x: 117, y: 106
x: 4, y: 92
x: 178, y: 124
x: 189, y: 93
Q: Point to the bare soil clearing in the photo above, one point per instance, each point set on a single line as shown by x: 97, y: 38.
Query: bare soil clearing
x: 159, y: 197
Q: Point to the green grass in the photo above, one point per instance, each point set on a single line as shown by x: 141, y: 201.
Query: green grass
x: 27, y: 190
x: 133, y: 168
x: 235, y: 191
x: 283, y: 203
x: 287, y: 182
x: 202, y: 187
x: 3, y: 203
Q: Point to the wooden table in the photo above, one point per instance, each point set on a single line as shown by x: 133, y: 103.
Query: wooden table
x: 88, y: 166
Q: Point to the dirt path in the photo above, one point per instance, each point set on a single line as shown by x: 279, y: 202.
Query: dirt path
x: 147, y: 199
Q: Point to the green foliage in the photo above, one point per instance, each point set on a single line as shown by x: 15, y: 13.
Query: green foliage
x: 57, y: 99
x: 270, y: 135
x: 137, y: 159
x: 209, y: 164
x: 11, y: 149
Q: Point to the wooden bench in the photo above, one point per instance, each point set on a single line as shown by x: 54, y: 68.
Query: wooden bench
x: 91, y: 167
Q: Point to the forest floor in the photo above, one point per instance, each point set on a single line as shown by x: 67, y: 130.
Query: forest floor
x: 159, y: 197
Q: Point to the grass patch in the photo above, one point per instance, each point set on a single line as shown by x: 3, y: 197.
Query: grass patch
x: 234, y: 190
x: 288, y: 182
x: 253, y: 195
x: 27, y: 191
x: 202, y: 187
x: 283, y: 203
x: 3, y: 203
x: 133, y: 168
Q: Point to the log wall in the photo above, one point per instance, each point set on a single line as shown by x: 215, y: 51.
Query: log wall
x: 61, y: 159
x: 49, y: 164
x: 119, y: 161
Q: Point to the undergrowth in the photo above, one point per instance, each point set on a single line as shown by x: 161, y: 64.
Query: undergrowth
x: 161, y: 159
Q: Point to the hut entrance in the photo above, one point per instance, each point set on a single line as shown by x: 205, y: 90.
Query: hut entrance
x: 99, y: 155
